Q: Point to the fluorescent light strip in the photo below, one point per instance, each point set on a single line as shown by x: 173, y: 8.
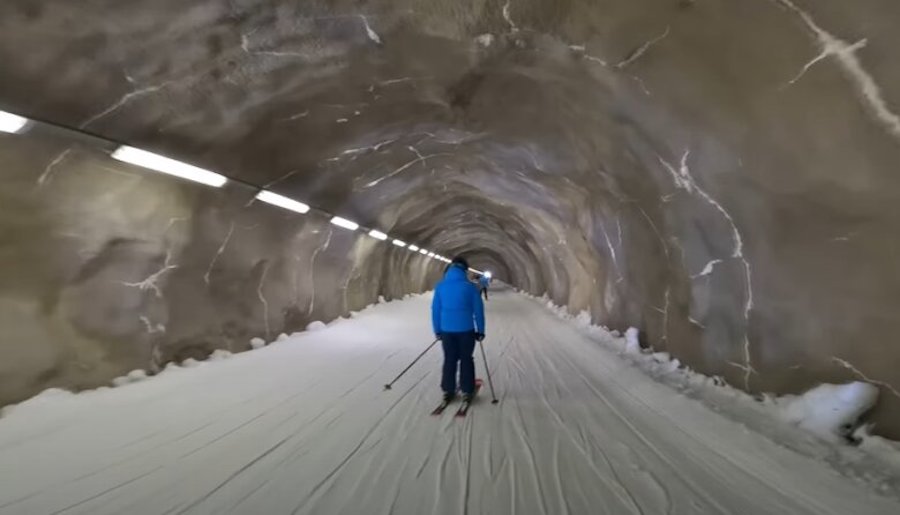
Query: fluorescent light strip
x: 283, y: 202
x: 346, y: 224
x: 165, y: 165
x: 413, y: 248
x: 399, y: 243
x: 423, y: 252
x: 12, y: 123
x: 378, y: 235
x: 431, y: 254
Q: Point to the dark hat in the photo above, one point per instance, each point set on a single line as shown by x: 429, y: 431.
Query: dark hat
x: 460, y: 261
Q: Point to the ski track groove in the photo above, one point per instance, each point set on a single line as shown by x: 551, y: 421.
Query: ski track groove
x: 467, y: 477
x: 328, y: 477
x: 104, y: 492
x: 619, y: 488
x: 661, y: 455
x: 522, y: 433
x: 564, y: 501
x: 225, y: 435
x: 488, y: 460
x: 237, y: 473
x: 442, y: 472
x: 674, y: 424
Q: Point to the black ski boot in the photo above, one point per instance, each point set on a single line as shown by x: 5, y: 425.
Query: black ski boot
x: 448, y: 397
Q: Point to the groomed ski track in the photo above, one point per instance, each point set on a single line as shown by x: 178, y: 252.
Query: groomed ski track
x: 303, y: 427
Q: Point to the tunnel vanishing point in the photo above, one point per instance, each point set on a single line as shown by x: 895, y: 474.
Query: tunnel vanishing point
x: 723, y: 175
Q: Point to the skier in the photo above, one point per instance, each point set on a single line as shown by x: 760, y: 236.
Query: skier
x: 483, y: 282
x: 457, y: 316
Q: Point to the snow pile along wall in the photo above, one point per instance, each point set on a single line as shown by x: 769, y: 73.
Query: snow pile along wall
x: 830, y: 411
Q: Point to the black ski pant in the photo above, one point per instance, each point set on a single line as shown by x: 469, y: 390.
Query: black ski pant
x: 484, y: 292
x: 458, y: 349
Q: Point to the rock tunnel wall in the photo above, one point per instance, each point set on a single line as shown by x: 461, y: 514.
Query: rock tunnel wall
x: 108, y: 268
x: 720, y: 174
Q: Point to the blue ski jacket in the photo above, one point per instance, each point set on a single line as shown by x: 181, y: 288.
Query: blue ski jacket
x: 484, y: 281
x: 457, y: 305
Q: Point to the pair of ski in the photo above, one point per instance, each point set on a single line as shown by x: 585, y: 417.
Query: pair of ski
x: 463, y: 408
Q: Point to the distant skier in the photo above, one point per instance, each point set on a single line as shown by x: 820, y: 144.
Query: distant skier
x: 483, y: 282
x: 457, y: 316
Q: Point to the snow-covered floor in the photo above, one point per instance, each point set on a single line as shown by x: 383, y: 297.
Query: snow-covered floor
x: 303, y: 426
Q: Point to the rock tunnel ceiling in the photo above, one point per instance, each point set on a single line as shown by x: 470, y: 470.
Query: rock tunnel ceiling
x: 721, y: 175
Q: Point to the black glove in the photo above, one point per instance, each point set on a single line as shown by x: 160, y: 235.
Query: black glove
x: 479, y: 336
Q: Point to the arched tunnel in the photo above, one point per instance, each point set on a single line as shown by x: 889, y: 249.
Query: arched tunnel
x: 720, y: 175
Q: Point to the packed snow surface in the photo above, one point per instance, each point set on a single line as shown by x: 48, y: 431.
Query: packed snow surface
x: 302, y: 426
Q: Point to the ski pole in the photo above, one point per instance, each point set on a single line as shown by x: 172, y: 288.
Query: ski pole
x: 488, y: 370
x: 388, y: 386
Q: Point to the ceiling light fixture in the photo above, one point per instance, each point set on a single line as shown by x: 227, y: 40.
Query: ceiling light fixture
x: 282, y: 201
x: 346, y: 224
x: 12, y: 123
x: 169, y: 166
